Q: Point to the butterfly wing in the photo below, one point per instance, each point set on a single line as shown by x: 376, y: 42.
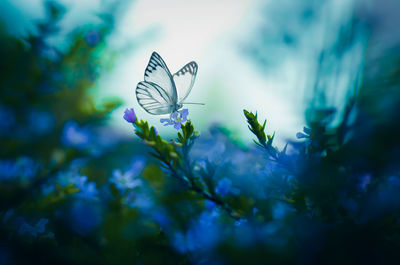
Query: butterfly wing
x: 157, y: 73
x: 154, y: 99
x: 184, y: 80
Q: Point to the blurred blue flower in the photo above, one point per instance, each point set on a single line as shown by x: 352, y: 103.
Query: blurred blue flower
x: 203, y: 234
x: 128, y: 179
x: 39, y: 228
x: 138, y: 164
x: 92, y: 37
x: 41, y: 122
x: 179, y: 242
x: 24, y: 168
x: 394, y: 181
x: 223, y: 187
x: 255, y: 211
x: 365, y: 180
x: 27, y: 168
x: 87, y: 190
x: 124, y: 180
x: 210, y: 205
x: 74, y: 136
x: 130, y: 115
x: 176, y: 119
x: 7, y: 119
x: 160, y: 216
x: 280, y: 211
x: 8, y: 169
x: 138, y: 200
x: 240, y: 222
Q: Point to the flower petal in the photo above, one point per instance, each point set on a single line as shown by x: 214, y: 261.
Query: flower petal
x: 178, y: 125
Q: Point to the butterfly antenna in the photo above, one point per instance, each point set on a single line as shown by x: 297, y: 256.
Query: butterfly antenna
x: 193, y: 103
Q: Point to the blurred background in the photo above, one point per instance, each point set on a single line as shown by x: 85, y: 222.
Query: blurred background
x: 258, y: 55
x: 77, y: 186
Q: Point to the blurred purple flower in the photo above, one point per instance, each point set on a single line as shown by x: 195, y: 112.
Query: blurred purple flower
x: 176, y: 119
x: 130, y: 115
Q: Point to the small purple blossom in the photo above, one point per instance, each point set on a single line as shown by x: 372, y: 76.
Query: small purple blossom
x: 176, y: 119
x: 130, y: 115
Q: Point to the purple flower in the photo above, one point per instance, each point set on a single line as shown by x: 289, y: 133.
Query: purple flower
x: 176, y: 119
x: 129, y: 115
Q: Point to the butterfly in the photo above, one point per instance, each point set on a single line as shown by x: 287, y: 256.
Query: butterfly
x: 164, y: 93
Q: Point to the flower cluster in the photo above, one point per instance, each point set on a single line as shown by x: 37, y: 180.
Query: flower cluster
x: 176, y: 119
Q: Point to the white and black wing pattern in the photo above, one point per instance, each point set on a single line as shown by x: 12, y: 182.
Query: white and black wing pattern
x: 157, y: 73
x: 153, y: 98
x: 184, y: 80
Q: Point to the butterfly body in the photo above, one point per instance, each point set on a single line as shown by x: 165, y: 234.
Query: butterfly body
x: 161, y: 92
